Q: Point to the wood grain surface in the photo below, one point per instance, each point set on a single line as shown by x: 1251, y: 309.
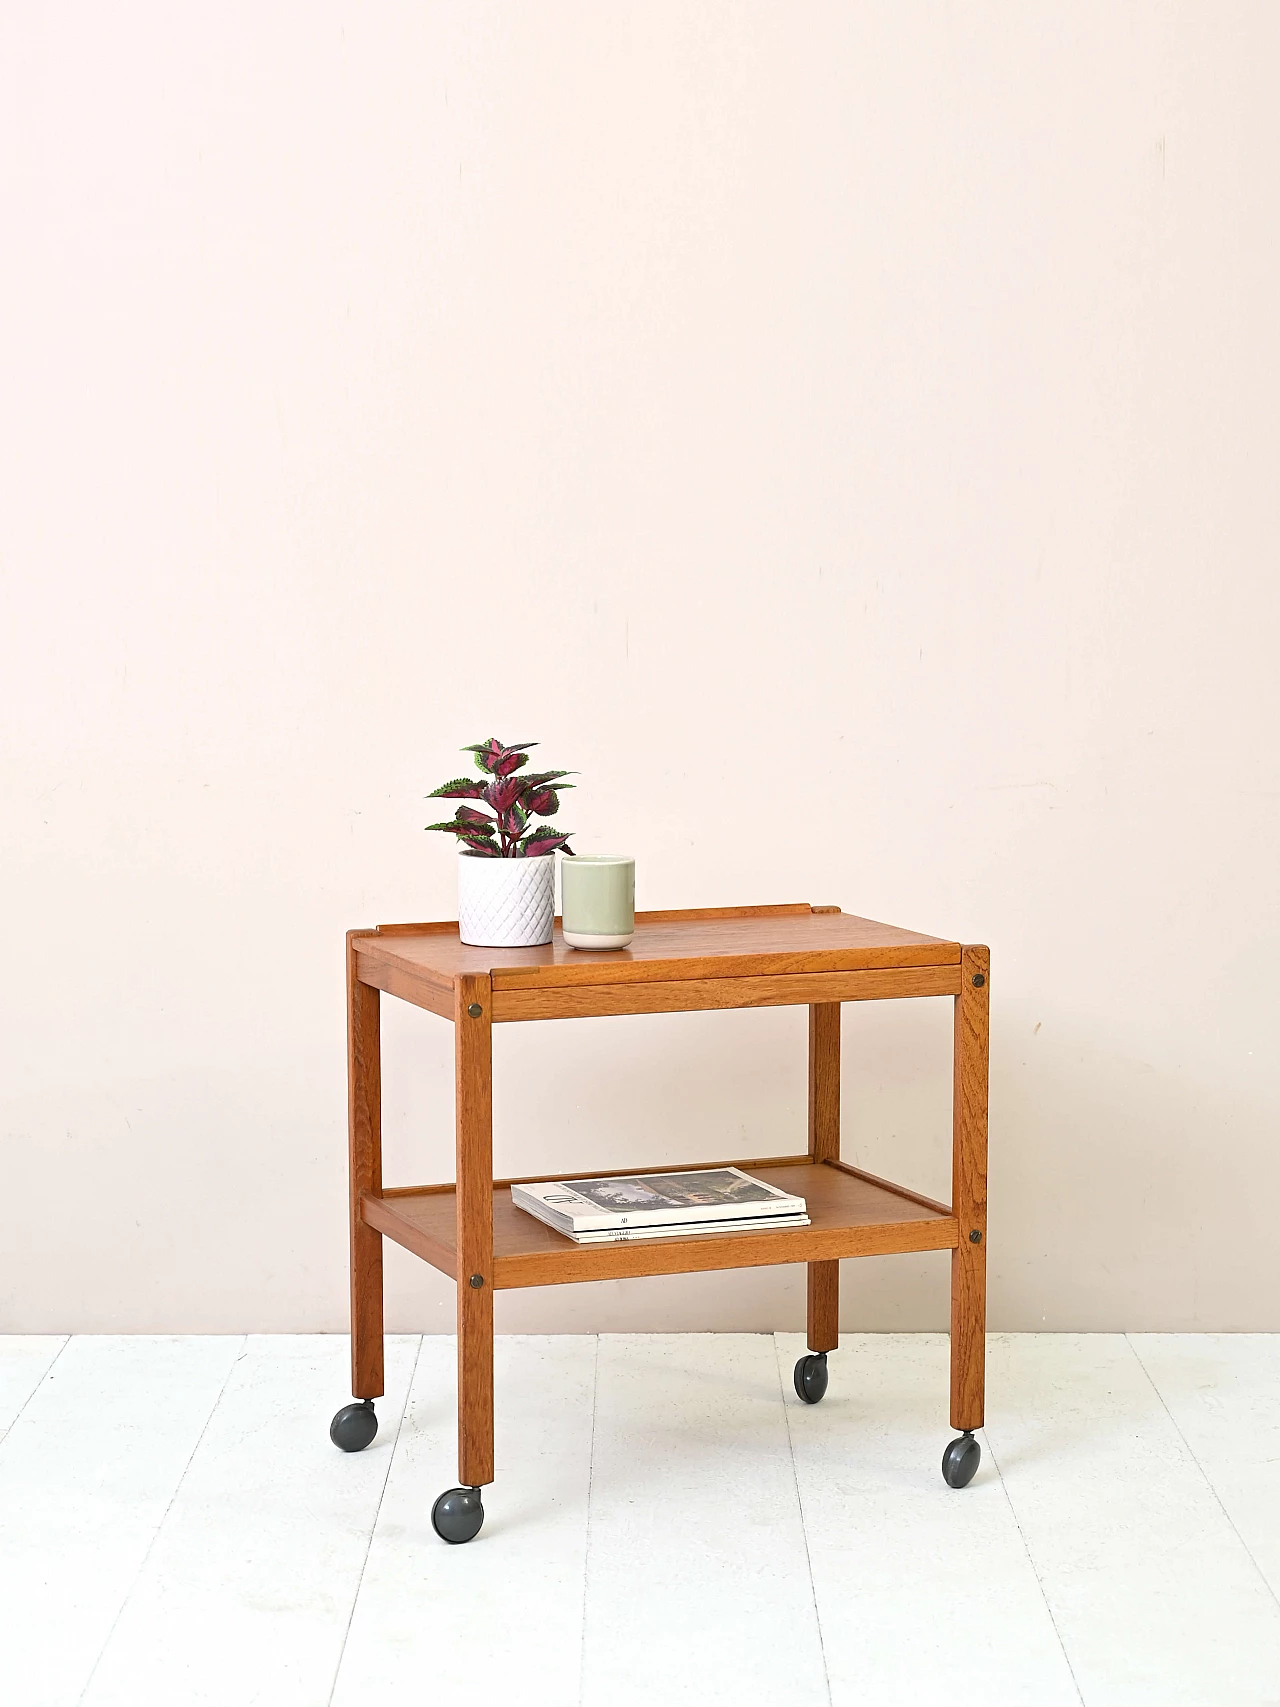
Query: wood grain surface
x: 417, y: 987
x: 850, y: 1215
x: 969, y: 1190
x: 711, y: 943
x: 893, y: 1186
x: 364, y: 1154
x: 822, y: 1310
x: 687, y: 995
x: 473, y: 1227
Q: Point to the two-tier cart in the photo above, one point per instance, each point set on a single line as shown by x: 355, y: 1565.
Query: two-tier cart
x: 678, y: 962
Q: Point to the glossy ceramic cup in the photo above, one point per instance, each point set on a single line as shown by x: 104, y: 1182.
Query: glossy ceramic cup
x: 598, y: 900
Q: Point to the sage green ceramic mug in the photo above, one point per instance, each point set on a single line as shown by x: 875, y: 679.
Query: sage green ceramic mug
x: 598, y: 900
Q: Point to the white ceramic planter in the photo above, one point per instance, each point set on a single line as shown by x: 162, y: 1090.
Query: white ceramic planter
x: 506, y: 903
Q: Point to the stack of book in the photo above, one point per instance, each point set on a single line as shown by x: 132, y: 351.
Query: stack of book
x: 657, y: 1206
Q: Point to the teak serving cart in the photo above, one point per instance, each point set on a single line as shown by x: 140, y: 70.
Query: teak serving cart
x: 744, y: 957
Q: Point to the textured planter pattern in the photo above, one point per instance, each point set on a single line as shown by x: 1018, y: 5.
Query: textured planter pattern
x: 506, y: 903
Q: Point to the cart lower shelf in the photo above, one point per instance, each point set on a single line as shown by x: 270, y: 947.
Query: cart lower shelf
x: 851, y: 1213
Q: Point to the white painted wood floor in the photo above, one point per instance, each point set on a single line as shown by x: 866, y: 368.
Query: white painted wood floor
x: 669, y: 1525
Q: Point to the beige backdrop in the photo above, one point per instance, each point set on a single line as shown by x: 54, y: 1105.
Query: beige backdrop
x: 847, y: 435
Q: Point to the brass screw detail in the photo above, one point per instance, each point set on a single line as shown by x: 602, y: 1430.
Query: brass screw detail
x: 475, y: 1010
x: 979, y: 979
x: 477, y: 1280
x: 975, y: 1238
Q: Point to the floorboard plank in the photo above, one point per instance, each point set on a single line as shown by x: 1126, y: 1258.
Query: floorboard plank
x: 1152, y: 1590
x: 86, y: 1475
x: 246, y: 1593
x: 25, y: 1360
x: 925, y: 1593
x: 501, y: 1617
x: 698, y: 1586
x: 1223, y: 1392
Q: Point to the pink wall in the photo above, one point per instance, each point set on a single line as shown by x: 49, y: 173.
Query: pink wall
x: 846, y: 434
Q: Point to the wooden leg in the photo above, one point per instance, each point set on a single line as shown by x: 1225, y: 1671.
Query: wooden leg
x: 823, y: 1311
x: 473, y: 1003
x: 364, y: 1124
x: 969, y: 1190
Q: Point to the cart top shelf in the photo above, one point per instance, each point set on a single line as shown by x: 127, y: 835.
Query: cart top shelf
x: 766, y: 948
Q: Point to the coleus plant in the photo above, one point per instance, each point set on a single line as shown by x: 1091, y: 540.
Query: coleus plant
x: 506, y: 831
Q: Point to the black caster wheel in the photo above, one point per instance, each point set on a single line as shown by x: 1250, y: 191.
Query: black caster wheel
x: 354, y: 1426
x: 811, y: 1377
x: 960, y: 1461
x: 457, y: 1515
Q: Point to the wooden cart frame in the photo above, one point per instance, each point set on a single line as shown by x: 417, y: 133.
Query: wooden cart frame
x: 747, y: 957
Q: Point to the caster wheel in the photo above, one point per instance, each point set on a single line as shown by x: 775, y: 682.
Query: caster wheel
x: 354, y: 1426
x: 960, y: 1461
x: 811, y: 1377
x: 457, y: 1515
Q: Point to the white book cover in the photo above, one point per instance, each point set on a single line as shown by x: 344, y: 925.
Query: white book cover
x: 647, y: 1200
x: 689, y: 1229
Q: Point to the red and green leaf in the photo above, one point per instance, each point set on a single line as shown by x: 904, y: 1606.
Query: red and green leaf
x: 487, y: 753
x: 542, y: 841
x: 481, y: 821
x: 461, y: 788
x: 471, y: 825
x: 498, y: 759
x: 503, y: 793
